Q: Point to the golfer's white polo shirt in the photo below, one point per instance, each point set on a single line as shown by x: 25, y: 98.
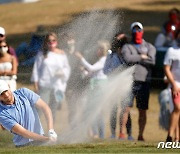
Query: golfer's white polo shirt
x: 22, y: 112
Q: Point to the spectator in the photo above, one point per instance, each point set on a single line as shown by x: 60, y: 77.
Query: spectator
x: 113, y: 61
x: 19, y: 116
x: 3, y: 38
x: 166, y: 108
x: 29, y: 51
x: 8, y: 66
x: 51, y: 72
x: 171, y: 68
x: 166, y: 38
x: 97, y: 78
x: 141, y: 54
x: 75, y: 84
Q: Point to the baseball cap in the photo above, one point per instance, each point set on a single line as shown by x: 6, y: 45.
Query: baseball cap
x: 2, y: 31
x: 136, y: 24
x: 3, y: 86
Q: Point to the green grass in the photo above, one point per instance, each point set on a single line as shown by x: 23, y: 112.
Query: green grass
x: 97, y: 146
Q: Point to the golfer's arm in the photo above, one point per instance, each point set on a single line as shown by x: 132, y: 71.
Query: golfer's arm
x: 47, y: 112
x: 18, y: 129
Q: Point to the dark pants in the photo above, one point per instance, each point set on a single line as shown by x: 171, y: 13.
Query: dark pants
x: 141, y: 91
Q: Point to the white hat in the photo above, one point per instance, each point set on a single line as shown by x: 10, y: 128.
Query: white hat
x: 3, y: 86
x: 2, y: 31
x: 136, y: 24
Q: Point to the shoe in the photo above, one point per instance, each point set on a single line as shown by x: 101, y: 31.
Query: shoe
x: 122, y: 136
x: 169, y: 139
x: 140, y: 138
x: 130, y: 138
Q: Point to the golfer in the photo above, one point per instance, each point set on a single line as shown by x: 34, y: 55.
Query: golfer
x: 19, y: 116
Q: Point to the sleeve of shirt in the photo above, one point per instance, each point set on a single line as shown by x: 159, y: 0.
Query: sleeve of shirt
x: 7, y: 122
x: 151, y: 55
x: 95, y: 67
x: 107, y: 66
x: 67, y: 69
x: 168, y: 57
x: 31, y: 96
x: 130, y: 55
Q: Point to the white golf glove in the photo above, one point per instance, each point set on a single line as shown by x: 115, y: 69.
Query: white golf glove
x: 52, y: 134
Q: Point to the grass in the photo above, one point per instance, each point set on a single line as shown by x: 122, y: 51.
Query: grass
x: 20, y: 21
x: 107, y: 146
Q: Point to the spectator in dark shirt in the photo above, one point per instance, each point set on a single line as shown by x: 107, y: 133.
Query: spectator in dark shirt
x: 29, y: 51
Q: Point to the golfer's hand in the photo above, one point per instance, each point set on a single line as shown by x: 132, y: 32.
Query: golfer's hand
x: 52, y: 135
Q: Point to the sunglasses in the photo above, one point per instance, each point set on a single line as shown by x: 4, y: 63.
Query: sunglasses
x: 52, y: 40
x: 136, y: 30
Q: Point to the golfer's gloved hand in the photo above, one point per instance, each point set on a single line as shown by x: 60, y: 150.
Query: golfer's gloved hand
x: 52, y: 135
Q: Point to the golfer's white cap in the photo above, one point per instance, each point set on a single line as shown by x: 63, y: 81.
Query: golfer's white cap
x: 2, y: 31
x: 3, y: 86
x: 136, y: 24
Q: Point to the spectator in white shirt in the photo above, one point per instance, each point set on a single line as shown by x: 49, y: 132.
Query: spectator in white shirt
x: 51, y: 71
x: 97, y: 78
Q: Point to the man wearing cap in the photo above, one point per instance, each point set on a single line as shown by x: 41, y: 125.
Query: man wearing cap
x: 3, y: 38
x: 19, y: 116
x: 141, y: 54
